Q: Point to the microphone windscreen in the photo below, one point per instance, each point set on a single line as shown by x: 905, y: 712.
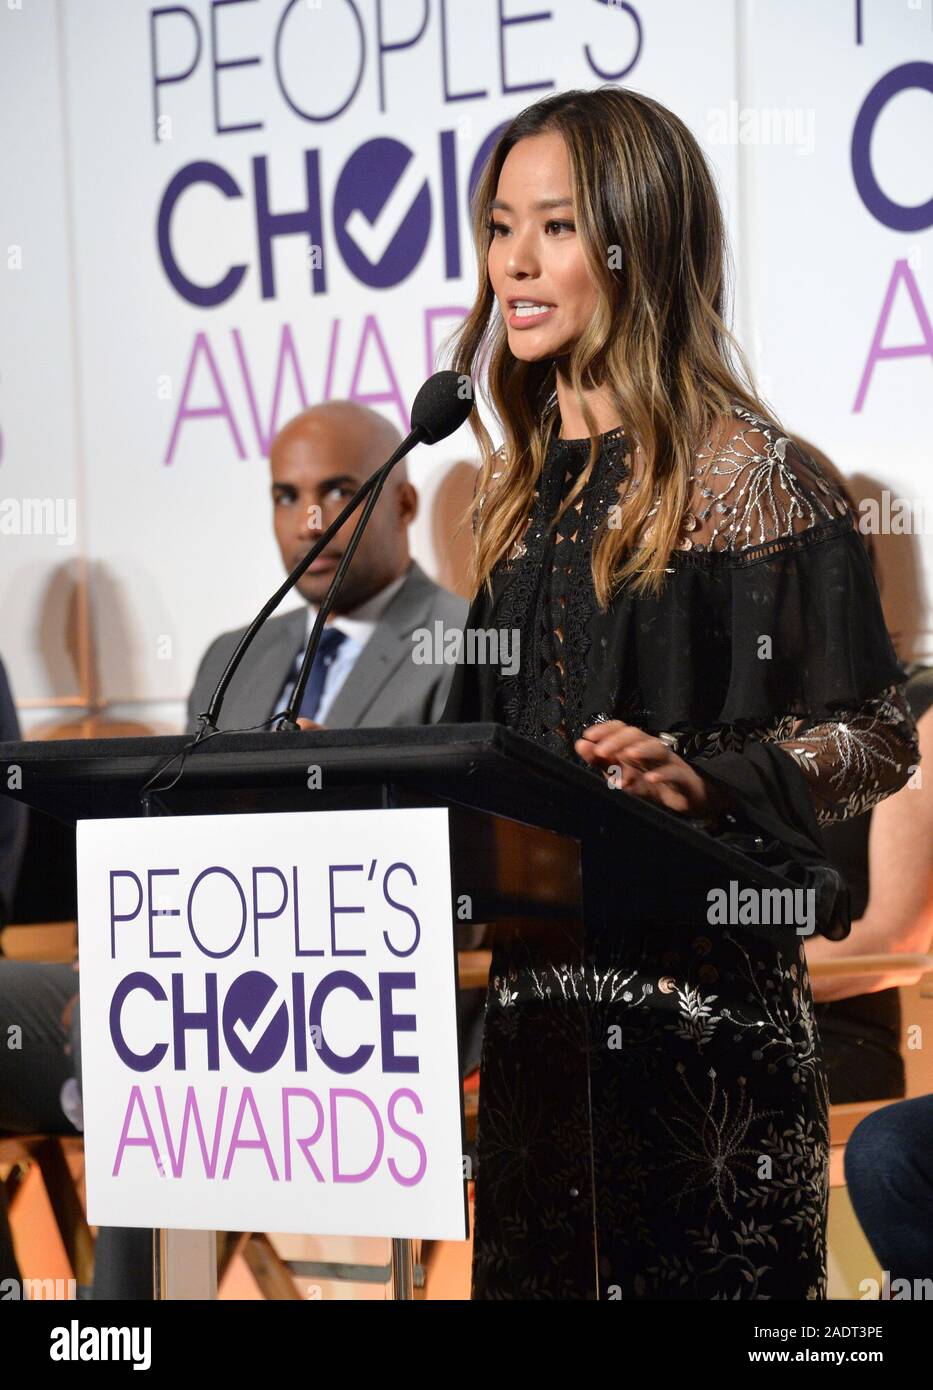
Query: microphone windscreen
x: 442, y: 405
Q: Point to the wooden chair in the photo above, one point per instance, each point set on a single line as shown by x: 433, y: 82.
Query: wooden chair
x: 52, y: 1155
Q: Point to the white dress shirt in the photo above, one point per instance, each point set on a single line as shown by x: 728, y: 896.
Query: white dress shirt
x: 357, y: 628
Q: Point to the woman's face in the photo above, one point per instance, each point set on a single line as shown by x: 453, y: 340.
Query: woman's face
x: 535, y: 261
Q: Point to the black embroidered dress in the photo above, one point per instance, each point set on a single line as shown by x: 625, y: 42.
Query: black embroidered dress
x: 765, y: 660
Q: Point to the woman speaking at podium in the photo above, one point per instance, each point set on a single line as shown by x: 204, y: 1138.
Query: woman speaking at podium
x: 698, y: 623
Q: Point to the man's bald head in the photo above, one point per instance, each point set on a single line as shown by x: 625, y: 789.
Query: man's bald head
x: 318, y: 460
x: 362, y: 431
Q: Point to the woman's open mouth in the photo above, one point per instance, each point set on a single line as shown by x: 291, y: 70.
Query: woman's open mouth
x: 528, y: 313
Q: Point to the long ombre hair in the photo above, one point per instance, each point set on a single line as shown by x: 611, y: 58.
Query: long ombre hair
x: 648, y: 216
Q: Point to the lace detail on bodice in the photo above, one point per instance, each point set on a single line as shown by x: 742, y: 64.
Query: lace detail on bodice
x: 551, y: 576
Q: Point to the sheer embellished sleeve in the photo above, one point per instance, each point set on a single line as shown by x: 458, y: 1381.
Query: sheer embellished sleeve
x: 812, y: 724
x: 856, y: 759
x: 754, y: 485
x: 756, y: 488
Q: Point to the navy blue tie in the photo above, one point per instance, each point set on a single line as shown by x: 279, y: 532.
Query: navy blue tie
x: 331, y: 639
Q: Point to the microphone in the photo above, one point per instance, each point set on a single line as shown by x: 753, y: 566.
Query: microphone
x: 441, y: 406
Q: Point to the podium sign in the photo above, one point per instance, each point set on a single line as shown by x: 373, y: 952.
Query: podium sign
x: 268, y: 1023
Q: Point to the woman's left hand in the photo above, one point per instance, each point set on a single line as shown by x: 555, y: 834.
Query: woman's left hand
x: 647, y: 767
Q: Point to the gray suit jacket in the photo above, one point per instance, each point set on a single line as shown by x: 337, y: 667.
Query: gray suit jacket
x: 384, y: 687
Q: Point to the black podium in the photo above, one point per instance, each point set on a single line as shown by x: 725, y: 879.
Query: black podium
x: 532, y: 837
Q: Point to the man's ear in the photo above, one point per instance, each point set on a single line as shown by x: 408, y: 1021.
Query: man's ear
x: 408, y: 502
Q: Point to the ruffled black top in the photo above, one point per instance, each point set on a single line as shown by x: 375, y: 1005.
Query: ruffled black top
x: 765, y: 655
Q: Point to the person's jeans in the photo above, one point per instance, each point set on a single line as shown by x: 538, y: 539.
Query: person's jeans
x: 889, y: 1172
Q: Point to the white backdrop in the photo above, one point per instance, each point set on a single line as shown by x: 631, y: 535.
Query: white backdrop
x: 105, y: 362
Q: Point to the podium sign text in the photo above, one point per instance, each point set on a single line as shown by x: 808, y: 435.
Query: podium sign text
x: 268, y: 1023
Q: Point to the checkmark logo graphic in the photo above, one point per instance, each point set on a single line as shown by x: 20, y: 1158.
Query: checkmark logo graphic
x: 375, y: 235
x: 382, y: 212
x: 257, y: 1045
x: 250, y: 1034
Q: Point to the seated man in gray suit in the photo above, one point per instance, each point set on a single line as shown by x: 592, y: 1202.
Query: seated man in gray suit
x: 364, y: 672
